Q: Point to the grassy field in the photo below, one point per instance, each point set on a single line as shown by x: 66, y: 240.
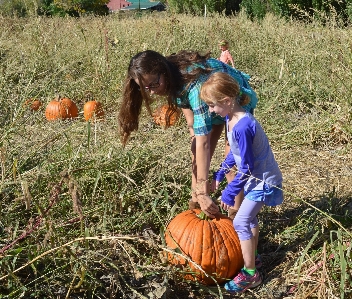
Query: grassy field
x: 81, y: 217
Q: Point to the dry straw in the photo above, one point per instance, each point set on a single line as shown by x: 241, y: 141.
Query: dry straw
x: 302, y: 74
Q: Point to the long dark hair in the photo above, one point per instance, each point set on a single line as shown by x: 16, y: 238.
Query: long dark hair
x: 177, y: 76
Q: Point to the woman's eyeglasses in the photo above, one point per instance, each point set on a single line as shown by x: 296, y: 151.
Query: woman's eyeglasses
x: 153, y: 85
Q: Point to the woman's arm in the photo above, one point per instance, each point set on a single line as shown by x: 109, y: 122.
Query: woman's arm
x: 202, y: 156
x: 188, y: 113
x: 200, y: 150
x: 200, y: 167
x: 202, y: 172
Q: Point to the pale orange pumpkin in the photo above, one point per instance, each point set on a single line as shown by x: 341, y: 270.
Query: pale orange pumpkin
x: 161, y: 113
x: 33, y: 104
x: 61, y: 108
x: 93, y: 109
x: 212, y: 244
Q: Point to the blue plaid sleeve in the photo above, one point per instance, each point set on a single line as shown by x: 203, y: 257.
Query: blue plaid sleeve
x: 241, y: 77
x: 202, y: 118
x: 190, y: 99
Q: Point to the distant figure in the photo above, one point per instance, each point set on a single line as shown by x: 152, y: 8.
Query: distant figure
x: 225, y: 55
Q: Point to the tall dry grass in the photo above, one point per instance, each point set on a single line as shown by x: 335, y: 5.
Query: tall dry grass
x: 81, y: 217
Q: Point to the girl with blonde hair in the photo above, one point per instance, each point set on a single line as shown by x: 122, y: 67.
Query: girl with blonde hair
x: 258, y: 175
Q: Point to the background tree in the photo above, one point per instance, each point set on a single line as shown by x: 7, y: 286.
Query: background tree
x: 298, y: 9
x: 78, y: 7
x: 232, y: 6
x: 23, y: 8
x: 20, y: 8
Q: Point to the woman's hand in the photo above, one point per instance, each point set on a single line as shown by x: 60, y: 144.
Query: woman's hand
x: 207, y: 205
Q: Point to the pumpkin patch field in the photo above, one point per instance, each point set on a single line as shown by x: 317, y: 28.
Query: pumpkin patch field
x: 81, y: 216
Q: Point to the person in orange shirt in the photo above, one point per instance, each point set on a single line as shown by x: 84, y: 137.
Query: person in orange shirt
x: 225, y: 55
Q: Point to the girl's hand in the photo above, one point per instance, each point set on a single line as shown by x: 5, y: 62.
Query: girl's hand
x: 214, y: 185
x: 224, y: 206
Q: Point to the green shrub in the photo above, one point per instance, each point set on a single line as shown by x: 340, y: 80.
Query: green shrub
x: 298, y: 9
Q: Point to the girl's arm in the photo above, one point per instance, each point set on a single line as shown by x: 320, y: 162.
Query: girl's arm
x: 244, y: 136
x: 225, y: 167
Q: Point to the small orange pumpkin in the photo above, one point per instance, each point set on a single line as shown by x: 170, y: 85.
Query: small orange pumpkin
x: 61, y: 108
x: 212, y: 244
x: 33, y: 104
x: 161, y: 113
x: 93, y: 109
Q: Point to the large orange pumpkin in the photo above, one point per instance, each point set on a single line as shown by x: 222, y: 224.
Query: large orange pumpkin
x: 61, y: 108
x: 33, y: 104
x: 160, y: 114
x: 93, y: 109
x: 212, y: 244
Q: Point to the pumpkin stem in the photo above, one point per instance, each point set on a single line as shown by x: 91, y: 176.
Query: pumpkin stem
x: 203, y: 216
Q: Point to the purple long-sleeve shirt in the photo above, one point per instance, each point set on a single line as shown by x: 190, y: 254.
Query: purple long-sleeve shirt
x: 252, y: 154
